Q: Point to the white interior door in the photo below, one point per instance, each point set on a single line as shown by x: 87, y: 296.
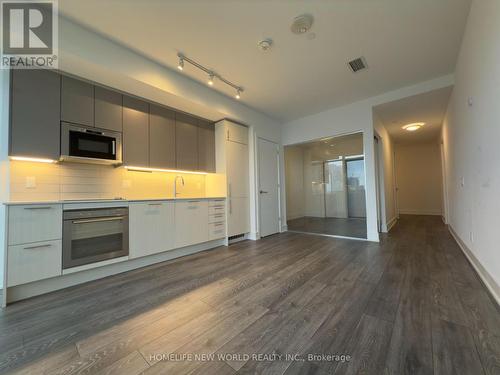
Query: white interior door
x: 268, y: 187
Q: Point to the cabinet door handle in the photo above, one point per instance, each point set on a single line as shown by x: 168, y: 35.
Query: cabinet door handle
x: 229, y: 192
x: 263, y: 192
x: 38, y: 208
x: 37, y: 246
x: 154, y: 204
x: 230, y: 206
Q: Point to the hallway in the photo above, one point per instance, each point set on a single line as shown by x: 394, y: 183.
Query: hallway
x: 409, y: 305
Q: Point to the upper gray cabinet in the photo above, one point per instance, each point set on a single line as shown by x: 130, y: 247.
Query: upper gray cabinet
x: 135, y: 132
x: 108, y: 109
x: 77, y: 101
x: 186, y: 142
x: 161, y: 137
x: 206, y: 146
x: 35, y: 110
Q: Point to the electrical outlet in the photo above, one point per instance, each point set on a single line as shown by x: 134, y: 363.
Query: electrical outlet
x: 30, y: 182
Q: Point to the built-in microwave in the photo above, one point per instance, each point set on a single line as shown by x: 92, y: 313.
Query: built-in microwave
x: 90, y: 145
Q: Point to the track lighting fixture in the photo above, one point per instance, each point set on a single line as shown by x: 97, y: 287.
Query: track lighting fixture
x: 211, y: 74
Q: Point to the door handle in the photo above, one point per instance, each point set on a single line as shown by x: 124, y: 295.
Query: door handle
x: 98, y: 220
x: 263, y: 192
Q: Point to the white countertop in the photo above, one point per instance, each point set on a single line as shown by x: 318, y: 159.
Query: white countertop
x: 14, y: 203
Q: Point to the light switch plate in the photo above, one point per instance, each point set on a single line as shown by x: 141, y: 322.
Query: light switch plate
x: 30, y: 182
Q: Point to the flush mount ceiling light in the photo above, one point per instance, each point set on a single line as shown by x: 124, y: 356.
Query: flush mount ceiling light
x: 413, y: 127
x: 211, y: 74
x: 302, y: 24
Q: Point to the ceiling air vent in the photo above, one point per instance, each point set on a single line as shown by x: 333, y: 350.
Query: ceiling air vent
x: 357, y: 64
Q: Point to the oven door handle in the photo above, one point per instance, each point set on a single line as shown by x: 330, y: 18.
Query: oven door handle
x: 98, y: 220
x: 113, y: 145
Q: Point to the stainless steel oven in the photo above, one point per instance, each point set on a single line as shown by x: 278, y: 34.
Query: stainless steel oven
x: 90, y: 145
x: 94, y: 235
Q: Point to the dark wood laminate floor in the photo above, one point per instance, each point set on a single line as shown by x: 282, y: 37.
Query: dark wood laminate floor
x: 409, y: 305
x: 347, y: 227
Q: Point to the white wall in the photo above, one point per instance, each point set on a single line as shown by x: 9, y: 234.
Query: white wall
x: 471, y: 142
x: 419, y: 178
x: 356, y: 117
x: 387, y: 178
x: 94, y: 57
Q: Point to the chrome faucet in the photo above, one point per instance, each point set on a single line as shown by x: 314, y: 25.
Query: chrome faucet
x: 175, y: 184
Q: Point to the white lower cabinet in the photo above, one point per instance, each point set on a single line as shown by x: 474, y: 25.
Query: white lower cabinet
x: 237, y: 216
x: 191, y: 222
x: 151, y: 228
x: 33, y: 261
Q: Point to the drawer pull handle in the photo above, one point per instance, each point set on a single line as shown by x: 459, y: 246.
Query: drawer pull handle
x: 193, y: 201
x: 218, y: 224
x: 38, y: 208
x: 154, y: 204
x: 37, y: 246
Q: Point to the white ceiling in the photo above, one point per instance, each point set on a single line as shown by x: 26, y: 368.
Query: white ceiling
x: 429, y: 107
x: 403, y: 41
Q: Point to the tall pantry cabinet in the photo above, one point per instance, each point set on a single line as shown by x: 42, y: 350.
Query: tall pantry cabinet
x: 231, y: 142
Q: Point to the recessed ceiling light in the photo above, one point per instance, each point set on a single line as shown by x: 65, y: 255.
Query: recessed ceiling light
x: 413, y: 127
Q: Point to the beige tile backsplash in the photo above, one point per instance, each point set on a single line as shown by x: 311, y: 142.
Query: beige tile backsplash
x: 31, y: 181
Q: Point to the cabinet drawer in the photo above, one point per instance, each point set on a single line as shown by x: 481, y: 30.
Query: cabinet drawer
x: 216, y: 202
x: 34, y: 223
x: 217, y: 218
x: 216, y: 231
x: 34, y: 261
x: 214, y: 210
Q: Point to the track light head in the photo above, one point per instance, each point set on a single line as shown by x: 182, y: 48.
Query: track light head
x: 238, y: 94
x: 211, y: 79
x: 181, y: 64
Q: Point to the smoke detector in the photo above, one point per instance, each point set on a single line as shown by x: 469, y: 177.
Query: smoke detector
x: 266, y: 44
x: 302, y: 24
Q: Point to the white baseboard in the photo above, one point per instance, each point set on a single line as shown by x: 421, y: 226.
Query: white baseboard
x: 391, y: 223
x: 254, y: 236
x: 485, y: 276
x: 420, y: 212
x: 284, y: 228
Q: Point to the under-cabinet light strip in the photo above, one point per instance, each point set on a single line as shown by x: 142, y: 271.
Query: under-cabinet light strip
x: 145, y: 169
x: 36, y: 160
